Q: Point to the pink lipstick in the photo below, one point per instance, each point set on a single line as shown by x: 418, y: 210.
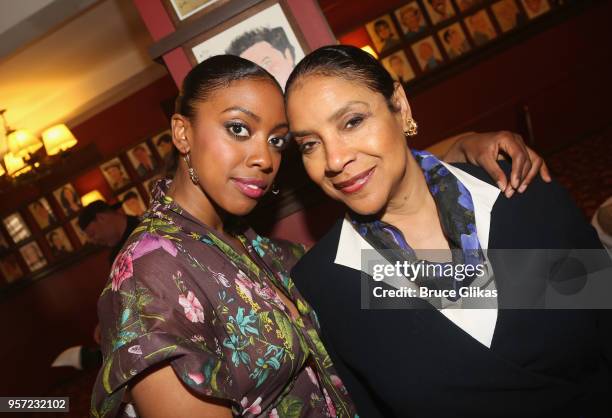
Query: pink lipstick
x: 355, y: 183
x: 250, y: 187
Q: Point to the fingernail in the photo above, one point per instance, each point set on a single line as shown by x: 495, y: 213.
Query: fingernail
x: 501, y: 186
x: 522, y: 188
x: 509, y: 192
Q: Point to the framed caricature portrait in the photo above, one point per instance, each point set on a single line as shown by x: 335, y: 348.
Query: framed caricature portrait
x: 59, y: 243
x: 115, y: 174
x: 42, y: 213
x: 182, y: 10
x: 263, y: 34
x: 480, y: 27
x: 81, y: 235
x: 398, y: 66
x: 411, y: 19
x: 454, y: 40
x: 507, y: 14
x: 16, y: 227
x: 150, y: 184
x: 142, y: 159
x: 9, y: 266
x: 131, y: 202
x: 535, y: 8
x: 439, y: 10
x: 163, y: 144
x: 383, y: 34
x: 427, y: 54
x: 68, y: 199
x: 33, y: 256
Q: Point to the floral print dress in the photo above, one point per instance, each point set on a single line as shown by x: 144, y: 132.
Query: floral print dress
x: 179, y: 295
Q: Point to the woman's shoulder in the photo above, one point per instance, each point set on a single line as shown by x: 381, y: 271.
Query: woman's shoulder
x: 545, y: 214
x: 322, y: 254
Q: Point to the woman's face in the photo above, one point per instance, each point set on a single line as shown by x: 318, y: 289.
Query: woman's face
x: 236, y: 139
x: 352, y: 144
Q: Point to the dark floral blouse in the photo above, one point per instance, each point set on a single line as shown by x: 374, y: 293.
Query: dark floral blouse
x: 178, y: 294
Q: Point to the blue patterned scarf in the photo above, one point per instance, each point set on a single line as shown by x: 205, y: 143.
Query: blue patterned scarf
x: 456, y: 213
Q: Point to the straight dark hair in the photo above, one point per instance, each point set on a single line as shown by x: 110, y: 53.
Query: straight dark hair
x: 349, y: 63
x: 215, y: 73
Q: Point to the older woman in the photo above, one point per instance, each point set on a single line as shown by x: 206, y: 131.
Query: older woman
x: 435, y: 357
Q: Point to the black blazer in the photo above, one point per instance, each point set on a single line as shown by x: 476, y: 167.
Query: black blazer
x: 417, y: 363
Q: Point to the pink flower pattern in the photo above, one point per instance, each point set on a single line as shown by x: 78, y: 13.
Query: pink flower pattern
x: 192, y: 307
x: 244, y: 284
x: 330, y: 405
x: 123, y: 267
x: 198, y: 378
x: 253, y: 409
x: 312, y: 376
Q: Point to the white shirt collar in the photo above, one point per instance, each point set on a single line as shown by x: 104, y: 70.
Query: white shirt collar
x: 479, y: 323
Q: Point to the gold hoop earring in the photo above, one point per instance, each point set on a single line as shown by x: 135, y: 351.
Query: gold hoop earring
x: 192, y: 173
x: 412, y: 127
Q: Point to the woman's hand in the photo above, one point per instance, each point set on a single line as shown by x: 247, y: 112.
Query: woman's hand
x: 484, y: 149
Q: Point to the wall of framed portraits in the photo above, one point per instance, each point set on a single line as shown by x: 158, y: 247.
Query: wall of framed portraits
x: 45, y: 232
x: 414, y: 38
x: 39, y: 230
x: 490, y: 64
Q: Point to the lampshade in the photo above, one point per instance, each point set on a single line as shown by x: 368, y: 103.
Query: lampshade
x: 369, y: 50
x: 22, y: 143
x: 92, y: 196
x: 3, y: 146
x: 58, y: 138
x: 15, y: 165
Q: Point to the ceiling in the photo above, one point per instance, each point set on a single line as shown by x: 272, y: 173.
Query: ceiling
x: 66, y: 60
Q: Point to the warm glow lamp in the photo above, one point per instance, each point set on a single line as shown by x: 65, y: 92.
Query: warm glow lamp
x: 92, y: 196
x: 15, y: 165
x: 21, y: 143
x: 58, y: 138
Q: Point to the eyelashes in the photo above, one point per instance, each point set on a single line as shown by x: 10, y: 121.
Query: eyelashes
x: 279, y: 142
x: 240, y: 131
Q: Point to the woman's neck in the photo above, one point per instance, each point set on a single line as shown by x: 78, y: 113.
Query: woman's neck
x: 412, y: 208
x: 194, y: 200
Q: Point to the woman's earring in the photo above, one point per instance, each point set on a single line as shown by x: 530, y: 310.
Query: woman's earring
x: 412, y: 127
x: 192, y: 173
x: 275, y: 190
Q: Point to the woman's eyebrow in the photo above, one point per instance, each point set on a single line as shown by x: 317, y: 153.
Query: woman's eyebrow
x: 345, y: 108
x: 337, y: 114
x: 243, y: 110
x: 282, y: 125
x: 300, y: 134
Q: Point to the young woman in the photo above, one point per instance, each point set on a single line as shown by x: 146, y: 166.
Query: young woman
x: 353, y: 125
x: 200, y: 317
